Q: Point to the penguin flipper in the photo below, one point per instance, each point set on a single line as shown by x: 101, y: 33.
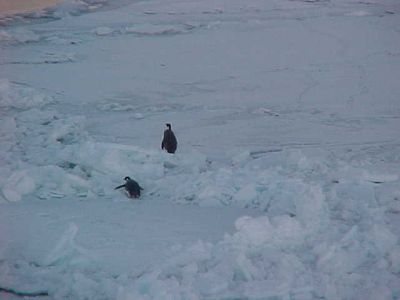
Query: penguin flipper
x: 120, y: 186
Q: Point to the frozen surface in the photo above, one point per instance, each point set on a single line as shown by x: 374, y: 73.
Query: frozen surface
x: 286, y: 182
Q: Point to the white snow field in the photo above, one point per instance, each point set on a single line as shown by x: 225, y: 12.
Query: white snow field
x: 286, y: 181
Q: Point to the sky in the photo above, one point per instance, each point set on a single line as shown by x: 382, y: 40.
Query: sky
x: 285, y: 183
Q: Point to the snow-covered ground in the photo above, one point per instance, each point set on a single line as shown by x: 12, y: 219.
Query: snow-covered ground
x: 286, y: 182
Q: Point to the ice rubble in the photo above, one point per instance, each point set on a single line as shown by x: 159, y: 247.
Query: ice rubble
x: 323, y: 233
x: 315, y: 244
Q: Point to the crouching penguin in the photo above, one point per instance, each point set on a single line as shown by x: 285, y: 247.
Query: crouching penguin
x: 132, y: 188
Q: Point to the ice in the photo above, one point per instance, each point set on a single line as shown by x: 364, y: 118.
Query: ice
x: 266, y: 111
x: 394, y: 260
x: 15, y: 96
x: 8, y: 127
x: 246, y: 194
x: 67, y: 131
x: 5, y: 36
x: 66, y: 251
x: 24, y: 36
x: 360, y: 13
x: 253, y: 233
x: 71, y: 7
x: 283, y: 231
x: 103, y: 30
x: 156, y: 29
x: 383, y: 239
x: 379, y: 178
x: 19, y: 184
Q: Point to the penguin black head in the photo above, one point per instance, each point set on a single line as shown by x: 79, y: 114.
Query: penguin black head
x: 127, y: 178
x: 168, y: 125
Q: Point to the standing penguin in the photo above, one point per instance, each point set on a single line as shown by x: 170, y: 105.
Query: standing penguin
x: 131, y: 186
x: 169, y: 142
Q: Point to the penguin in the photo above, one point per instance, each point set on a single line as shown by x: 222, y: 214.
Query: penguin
x: 131, y: 186
x: 169, y: 142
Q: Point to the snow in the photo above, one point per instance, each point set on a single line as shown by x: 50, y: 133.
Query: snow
x: 286, y: 180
